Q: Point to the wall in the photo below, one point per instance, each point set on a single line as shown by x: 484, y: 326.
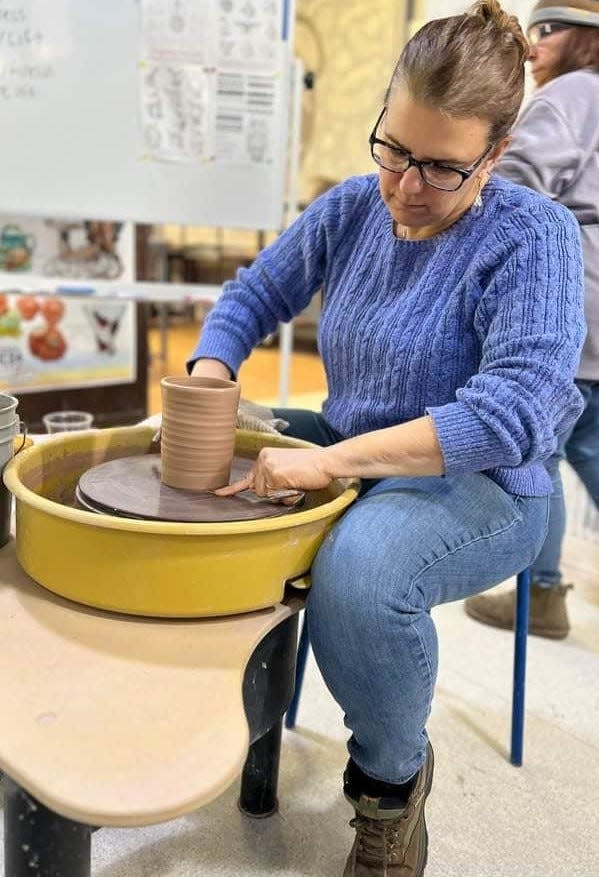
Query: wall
x: 352, y: 47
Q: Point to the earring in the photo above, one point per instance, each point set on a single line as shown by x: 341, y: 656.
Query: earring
x: 478, y: 201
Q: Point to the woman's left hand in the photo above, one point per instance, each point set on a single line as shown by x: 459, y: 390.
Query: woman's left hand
x: 283, y: 469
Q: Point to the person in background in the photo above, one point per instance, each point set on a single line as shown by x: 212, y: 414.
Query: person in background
x: 555, y: 150
x: 450, y: 333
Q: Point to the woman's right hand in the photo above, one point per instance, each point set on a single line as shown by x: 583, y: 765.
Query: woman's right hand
x: 284, y: 469
x: 211, y: 368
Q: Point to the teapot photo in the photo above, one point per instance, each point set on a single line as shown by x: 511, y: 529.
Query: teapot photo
x: 16, y: 249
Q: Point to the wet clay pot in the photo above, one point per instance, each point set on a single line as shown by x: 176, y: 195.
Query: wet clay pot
x: 198, y: 431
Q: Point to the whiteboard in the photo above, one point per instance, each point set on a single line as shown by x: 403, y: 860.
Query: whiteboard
x: 74, y: 106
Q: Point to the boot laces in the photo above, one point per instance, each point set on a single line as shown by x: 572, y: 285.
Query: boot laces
x: 379, y: 840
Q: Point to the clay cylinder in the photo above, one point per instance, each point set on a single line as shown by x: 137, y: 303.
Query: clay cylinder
x: 198, y: 431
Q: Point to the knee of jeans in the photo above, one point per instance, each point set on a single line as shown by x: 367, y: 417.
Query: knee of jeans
x: 356, y: 578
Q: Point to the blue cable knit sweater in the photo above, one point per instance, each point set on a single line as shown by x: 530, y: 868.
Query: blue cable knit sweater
x: 481, y: 326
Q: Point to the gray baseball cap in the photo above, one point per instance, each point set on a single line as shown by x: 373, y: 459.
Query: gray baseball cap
x: 581, y: 12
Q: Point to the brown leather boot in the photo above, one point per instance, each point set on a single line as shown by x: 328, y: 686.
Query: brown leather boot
x: 391, y: 842
x: 548, y: 614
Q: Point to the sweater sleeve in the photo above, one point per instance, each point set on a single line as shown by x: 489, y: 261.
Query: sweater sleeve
x: 280, y: 282
x: 543, y: 154
x: 530, y: 317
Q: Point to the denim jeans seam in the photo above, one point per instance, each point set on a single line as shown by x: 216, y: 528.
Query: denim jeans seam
x: 517, y: 520
x: 428, y: 566
x: 431, y: 684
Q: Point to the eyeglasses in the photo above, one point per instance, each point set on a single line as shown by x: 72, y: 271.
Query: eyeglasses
x: 538, y: 32
x: 398, y: 161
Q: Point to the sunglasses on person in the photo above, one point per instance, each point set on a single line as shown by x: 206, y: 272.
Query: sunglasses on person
x: 538, y: 32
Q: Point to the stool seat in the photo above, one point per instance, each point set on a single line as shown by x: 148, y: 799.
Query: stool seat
x: 116, y: 720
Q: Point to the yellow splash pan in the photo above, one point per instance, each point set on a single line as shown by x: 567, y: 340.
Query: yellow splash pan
x: 157, y: 568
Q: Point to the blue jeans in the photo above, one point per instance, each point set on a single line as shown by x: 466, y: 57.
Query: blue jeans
x: 580, y: 447
x: 407, y: 545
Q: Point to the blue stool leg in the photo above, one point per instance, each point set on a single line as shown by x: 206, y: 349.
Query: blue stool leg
x: 522, y: 611
x: 300, y: 669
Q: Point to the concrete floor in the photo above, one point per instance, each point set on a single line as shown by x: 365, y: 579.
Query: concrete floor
x: 485, y: 816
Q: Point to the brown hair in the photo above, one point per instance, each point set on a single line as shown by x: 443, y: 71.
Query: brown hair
x: 469, y: 65
x: 580, y: 49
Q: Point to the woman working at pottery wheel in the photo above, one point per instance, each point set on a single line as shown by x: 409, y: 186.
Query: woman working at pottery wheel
x: 450, y: 333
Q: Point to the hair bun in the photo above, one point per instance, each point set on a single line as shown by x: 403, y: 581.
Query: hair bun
x: 488, y: 10
x: 491, y: 12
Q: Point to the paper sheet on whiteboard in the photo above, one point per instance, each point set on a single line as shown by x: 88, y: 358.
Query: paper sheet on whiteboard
x: 245, y: 117
x: 199, y: 102
x: 227, y: 34
x: 249, y: 35
x: 177, y: 111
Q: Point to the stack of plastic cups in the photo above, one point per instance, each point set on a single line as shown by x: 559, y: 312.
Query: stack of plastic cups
x: 10, y: 426
x: 198, y: 431
x: 67, y: 421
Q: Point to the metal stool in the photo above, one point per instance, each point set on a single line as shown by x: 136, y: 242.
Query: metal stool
x: 518, y: 692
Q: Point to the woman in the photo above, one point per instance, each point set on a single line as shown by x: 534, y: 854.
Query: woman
x: 555, y: 151
x: 451, y: 330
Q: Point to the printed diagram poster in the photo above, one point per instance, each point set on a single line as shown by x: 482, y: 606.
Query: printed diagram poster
x: 178, y: 31
x: 52, y: 342
x: 177, y: 111
x: 210, y: 80
x: 227, y: 34
x: 246, y: 118
x: 249, y: 35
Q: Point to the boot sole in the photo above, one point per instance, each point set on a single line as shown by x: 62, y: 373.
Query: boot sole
x: 546, y: 632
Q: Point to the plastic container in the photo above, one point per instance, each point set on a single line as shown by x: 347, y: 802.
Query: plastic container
x: 66, y: 421
x: 12, y: 429
x: 8, y: 448
x: 8, y: 405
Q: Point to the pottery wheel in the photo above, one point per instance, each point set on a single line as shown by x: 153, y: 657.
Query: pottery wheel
x: 131, y: 487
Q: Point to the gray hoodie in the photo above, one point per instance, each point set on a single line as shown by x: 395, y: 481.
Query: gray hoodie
x: 555, y: 150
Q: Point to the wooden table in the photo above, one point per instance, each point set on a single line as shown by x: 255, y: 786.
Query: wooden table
x: 113, y: 720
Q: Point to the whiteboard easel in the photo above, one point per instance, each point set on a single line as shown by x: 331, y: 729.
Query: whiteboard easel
x: 80, y: 83
x: 295, y: 137
x: 71, y: 138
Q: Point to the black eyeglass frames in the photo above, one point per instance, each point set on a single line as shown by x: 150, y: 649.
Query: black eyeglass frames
x: 435, y: 174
